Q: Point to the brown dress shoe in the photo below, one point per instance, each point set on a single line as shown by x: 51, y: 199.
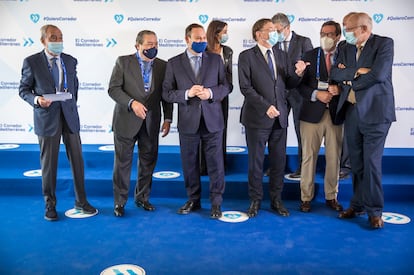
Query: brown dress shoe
x: 334, y: 204
x: 348, y: 214
x: 376, y: 222
x: 305, y: 206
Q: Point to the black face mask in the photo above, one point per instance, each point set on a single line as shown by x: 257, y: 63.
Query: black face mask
x: 150, y: 53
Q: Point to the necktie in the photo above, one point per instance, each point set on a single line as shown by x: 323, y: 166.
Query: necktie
x: 358, y: 53
x: 196, y: 61
x: 55, y: 74
x: 328, y: 62
x: 270, y: 63
x: 286, y: 45
x: 146, y: 75
x: 351, y: 96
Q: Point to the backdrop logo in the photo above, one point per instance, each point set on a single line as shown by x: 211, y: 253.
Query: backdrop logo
x: 203, y: 18
x: 291, y: 18
x: 377, y: 17
x: 110, y: 42
x: 118, y: 18
x: 27, y: 42
x: 34, y: 17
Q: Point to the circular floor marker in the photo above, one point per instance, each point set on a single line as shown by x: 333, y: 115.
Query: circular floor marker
x: 234, y: 216
x: 77, y: 214
x: 123, y: 269
x: 9, y: 146
x: 166, y: 175
x: 395, y: 218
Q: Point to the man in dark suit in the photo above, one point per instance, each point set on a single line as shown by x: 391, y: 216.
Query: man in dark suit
x: 196, y: 81
x: 318, y: 119
x: 51, y: 73
x: 264, y: 74
x: 367, y: 100
x: 295, y: 45
x: 136, y: 87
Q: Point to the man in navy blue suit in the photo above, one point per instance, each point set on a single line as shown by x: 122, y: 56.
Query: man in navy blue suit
x: 54, y: 118
x: 196, y: 81
x: 367, y: 101
x: 264, y: 75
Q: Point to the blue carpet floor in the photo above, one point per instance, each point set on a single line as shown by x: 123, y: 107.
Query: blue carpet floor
x: 163, y: 242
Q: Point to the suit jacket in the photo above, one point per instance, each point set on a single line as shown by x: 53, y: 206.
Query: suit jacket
x: 373, y: 91
x: 261, y: 91
x: 298, y: 45
x: 126, y: 83
x: 37, y: 80
x: 180, y: 77
x: 228, y: 65
x: 312, y: 111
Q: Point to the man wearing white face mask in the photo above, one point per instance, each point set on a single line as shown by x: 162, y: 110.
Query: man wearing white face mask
x: 49, y: 84
x: 136, y: 87
x: 318, y: 119
x: 264, y: 75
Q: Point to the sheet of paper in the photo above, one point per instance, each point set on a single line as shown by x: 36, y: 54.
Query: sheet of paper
x: 58, y: 97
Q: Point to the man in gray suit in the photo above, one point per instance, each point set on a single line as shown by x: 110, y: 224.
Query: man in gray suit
x: 264, y: 75
x: 46, y: 74
x: 136, y: 86
x: 196, y: 81
x: 295, y: 45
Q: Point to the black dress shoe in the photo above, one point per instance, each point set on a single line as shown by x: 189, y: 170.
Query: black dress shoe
x: 119, y: 210
x: 334, y: 204
x: 295, y: 175
x: 215, y: 212
x: 376, y: 222
x: 145, y: 204
x: 305, y: 206
x: 350, y: 213
x: 85, y: 208
x: 253, y: 208
x: 50, y: 213
x: 189, y: 206
x: 278, y: 206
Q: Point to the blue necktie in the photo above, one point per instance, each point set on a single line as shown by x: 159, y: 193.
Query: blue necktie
x: 270, y: 63
x: 55, y: 74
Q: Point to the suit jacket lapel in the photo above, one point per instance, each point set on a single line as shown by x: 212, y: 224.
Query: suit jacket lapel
x: 185, y: 62
x: 134, y: 66
x: 263, y: 60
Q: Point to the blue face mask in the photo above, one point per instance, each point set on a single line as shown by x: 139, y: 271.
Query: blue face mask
x: 224, y: 38
x: 344, y: 31
x: 350, y: 38
x: 55, y: 47
x: 150, y: 53
x: 273, y: 38
x: 199, y: 47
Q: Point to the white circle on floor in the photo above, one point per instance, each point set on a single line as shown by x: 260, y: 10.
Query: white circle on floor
x: 107, y: 148
x: 289, y: 178
x: 123, y: 269
x: 33, y: 173
x: 166, y: 175
x: 9, y: 146
x: 395, y: 218
x: 234, y: 216
x: 234, y: 149
x: 77, y: 214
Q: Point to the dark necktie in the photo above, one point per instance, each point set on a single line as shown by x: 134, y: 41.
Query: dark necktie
x: 270, y: 63
x: 55, y: 74
x: 286, y: 45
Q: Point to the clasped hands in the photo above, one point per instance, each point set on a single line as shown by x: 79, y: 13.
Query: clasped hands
x: 200, y: 92
x: 272, y: 112
x: 326, y: 96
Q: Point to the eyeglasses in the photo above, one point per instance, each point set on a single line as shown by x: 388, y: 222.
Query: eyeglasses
x: 349, y: 29
x: 328, y: 34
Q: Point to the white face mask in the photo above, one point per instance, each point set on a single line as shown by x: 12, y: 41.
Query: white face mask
x: 327, y: 43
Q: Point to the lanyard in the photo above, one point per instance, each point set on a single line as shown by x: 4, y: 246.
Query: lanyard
x: 65, y: 80
x: 318, y: 61
x: 146, y: 74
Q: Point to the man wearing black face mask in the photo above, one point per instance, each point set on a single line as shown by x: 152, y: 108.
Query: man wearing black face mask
x: 196, y: 81
x: 136, y: 86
